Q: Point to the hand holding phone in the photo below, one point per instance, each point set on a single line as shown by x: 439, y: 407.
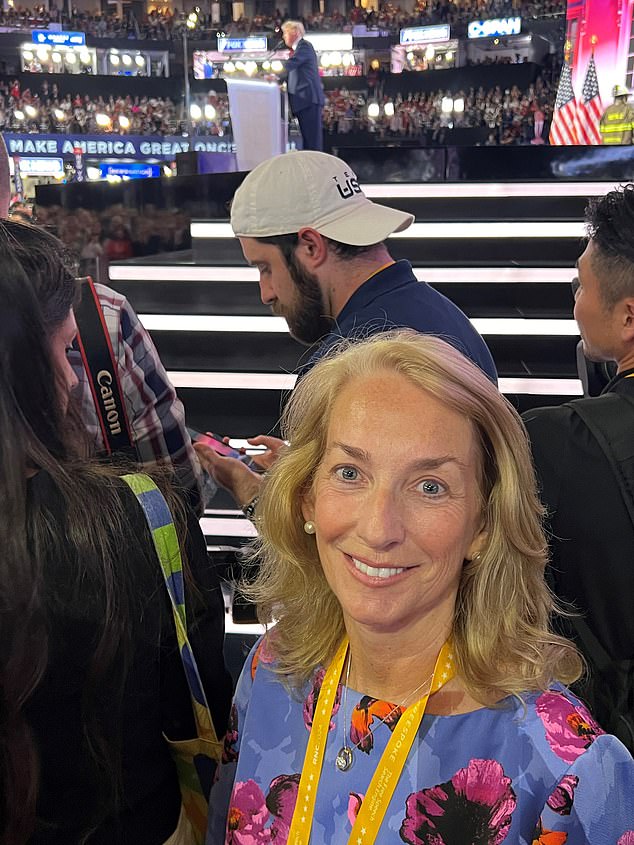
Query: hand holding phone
x: 215, y: 443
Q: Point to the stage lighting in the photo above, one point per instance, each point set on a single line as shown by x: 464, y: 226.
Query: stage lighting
x: 266, y: 65
x: 195, y: 112
x: 449, y: 55
x: 102, y: 119
x: 124, y: 122
x: 70, y: 57
x: 126, y: 59
x: 373, y: 110
x: 31, y: 111
x: 229, y: 67
x: 446, y: 106
x: 210, y: 112
x: 28, y: 56
x: 388, y: 108
x: 114, y: 59
x: 251, y: 67
x: 58, y: 114
x: 458, y: 105
x: 42, y: 53
x: 239, y: 65
x: 325, y: 60
x: 56, y: 57
x: 18, y: 114
x: 140, y: 61
x: 430, y: 52
x: 93, y: 173
x: 277, y: 66
x: 85, y: 57
x: 335, y: 59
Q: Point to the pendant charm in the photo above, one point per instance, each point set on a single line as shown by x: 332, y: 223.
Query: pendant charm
x: 344, y: 758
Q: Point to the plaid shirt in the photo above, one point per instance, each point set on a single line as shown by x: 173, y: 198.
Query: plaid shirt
x: 156, y: 415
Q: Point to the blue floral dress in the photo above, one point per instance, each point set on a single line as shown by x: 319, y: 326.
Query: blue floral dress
x: 543, y: 774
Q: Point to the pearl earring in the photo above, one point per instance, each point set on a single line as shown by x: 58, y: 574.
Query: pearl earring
x: 309, y: 527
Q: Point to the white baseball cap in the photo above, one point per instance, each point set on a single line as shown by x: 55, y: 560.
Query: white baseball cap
x: 307, y: 188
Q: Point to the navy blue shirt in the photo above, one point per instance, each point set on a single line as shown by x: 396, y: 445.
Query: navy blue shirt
x: 394, y: 298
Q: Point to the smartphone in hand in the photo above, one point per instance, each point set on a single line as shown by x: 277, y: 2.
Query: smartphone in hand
x: 214, y: 442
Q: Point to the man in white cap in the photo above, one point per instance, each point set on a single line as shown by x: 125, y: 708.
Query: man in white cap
x: 318, y: 244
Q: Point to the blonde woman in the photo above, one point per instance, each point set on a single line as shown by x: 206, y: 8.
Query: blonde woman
x: 411, y: 689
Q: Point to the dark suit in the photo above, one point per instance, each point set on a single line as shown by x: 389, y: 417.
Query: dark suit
x: 592, y: 538
x: 306, y: 94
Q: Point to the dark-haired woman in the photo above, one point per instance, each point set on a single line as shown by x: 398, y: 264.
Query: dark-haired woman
x: 90, y: 672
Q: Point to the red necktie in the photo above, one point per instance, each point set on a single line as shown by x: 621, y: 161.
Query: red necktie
x: 291, y: 52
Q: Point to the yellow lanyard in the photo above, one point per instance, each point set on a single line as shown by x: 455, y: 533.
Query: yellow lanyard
x: 390, y: 766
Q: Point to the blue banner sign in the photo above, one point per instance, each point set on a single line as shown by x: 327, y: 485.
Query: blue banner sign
x: 425, y: 34
x: 114, y: 146
x: 131, y: 169
x: 253, y: 44
x: 494, y: 28
x: 58, y: 38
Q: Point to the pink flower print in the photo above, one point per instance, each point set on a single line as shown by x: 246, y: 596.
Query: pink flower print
x: 563, y: 795
x: 310, y: 702
x: 281, y: 802
x: 627, y: 838
x: 354, y: 805
x: 475, y: 806
x: 248, y: 815
x: 570, y: 729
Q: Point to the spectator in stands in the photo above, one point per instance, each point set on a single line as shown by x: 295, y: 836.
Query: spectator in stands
x: 583, y: 451
x: 319, y: 246
x: 90, y: 670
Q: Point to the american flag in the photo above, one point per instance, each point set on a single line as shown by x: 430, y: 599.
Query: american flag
x: 563, y: 129
x: 590, y: 109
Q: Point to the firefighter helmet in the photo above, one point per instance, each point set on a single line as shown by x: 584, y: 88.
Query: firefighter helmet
x: 620, y: 91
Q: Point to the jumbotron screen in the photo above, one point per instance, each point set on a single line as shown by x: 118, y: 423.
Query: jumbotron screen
x: 602, y: 28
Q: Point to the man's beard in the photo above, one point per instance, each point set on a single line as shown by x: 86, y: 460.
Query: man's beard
x: 307, y: 318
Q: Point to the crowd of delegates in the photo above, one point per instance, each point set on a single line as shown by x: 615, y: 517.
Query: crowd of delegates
x: 49, y: 111
x: 116, y: 233
x: 511, y: 115
x: 159, y: 25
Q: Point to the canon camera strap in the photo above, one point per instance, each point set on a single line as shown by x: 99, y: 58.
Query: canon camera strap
x: 93, y: 340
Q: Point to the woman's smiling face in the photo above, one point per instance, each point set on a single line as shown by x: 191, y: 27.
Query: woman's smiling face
x: 396, y: 504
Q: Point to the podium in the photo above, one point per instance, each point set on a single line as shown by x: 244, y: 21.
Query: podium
x: 259, y: 118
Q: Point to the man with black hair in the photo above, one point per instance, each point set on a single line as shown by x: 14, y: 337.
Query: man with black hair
x: 584, y: 454
x: 319, y: 245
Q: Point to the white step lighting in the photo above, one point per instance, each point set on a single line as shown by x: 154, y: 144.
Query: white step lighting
x: 440, y: 231
x: 278, y: 381
x: 433, y: 275
x: 278, y: 325
x: 483, y: 190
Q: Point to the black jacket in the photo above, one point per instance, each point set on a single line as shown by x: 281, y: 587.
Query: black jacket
x: 592, y: 539
x: 155, y: 694
x: 302, y: 74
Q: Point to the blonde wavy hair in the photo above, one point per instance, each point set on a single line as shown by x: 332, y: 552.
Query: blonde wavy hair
x: 503, y: 642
